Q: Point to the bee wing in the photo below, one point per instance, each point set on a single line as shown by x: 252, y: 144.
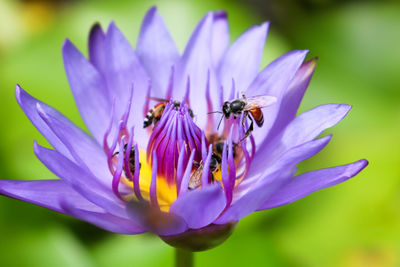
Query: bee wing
x: 157, y: 99
x: 195, y: 178
x: 261, y: 101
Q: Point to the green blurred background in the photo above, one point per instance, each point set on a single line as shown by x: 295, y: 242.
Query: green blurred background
x: 354, y: 224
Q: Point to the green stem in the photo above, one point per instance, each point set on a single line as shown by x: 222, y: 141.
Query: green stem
x: 183, y: 258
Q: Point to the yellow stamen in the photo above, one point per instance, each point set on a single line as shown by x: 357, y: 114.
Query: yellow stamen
x: 166, y: 194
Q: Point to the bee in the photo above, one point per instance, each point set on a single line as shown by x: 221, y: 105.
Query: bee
x: 195, y: 176
x: 250, y: 107
x: 154, y: 114
x: 218, y: 141
x: 131, y: 160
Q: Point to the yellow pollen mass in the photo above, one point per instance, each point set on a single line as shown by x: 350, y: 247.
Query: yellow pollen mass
x: 166, y: 194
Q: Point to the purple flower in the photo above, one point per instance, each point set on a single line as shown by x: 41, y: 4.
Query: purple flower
x: 182, y: 177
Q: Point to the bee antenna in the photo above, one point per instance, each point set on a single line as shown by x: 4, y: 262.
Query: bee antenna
x: 157, y: 99
x: 219, y: 124
x: 214, y: 112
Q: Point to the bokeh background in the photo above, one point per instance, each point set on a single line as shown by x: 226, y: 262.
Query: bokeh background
x: 354, y: 224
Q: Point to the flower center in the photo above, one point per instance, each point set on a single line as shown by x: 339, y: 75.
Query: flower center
x: 179, y: 155
x: 174, y: 136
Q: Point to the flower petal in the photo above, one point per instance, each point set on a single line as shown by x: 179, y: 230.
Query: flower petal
x: 293, y: 96
x: 200, y: 207
x: 242, y: 60
x: 156, y: 50
x: 124, y: 71
x: 85, y: 150
x: 45, y: 193
x: 220, y: 36
x: 312, y: 123
x: 254, y: 191
x: 103, y: 220
x: 97, y: 52
x: 303, y: 128
x: 307, y: 183
x: 274, y: 81
x: 28, y: 105
x: 154, y: 220
x: 81, y: 180
x: 89, y: 90
x: 196, y: 63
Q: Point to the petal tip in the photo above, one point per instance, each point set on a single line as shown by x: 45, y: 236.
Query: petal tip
x: 328, y: 137
x: 363, y: 163
x: 112, y: 27
x: 345, y: 107
x: 18, y: 93
x: 96, y: 28
x: 36, y: 148
x: 300, y: 53
x: 68, y: 49
x: 152, y: 11
x: 356, y: 167
x: 265, y: 25
x: 150, y: 15
x: 66, y: 44
x: 220, y: 14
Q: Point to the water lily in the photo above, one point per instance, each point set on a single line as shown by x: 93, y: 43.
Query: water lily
x: 129, y: 180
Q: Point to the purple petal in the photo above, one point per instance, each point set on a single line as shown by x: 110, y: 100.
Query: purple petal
x: 156, y: 50
x: 206, y: 169
x: 220, y: 36
x: 97, y: 52
x: 312, y: 123
x: 250, y: 201
x: 293, y: 96
x: 80, y: 180
x: 154, y: 220
x: 186, y: 175
x: 88, y: 88
x: 45, y: 193
x: 303, y: 128
x: 242, y: 60
x: 196, y: 63
x: 124, y: 71
x: 307, y: 183
x: 295, y: 154
x: 103, y: 220
x: 28, y: 105
x: 85, y: 150
x: 290, y: 158
x: 254, y: 191
x: 225, y: 176
x: 200, y: 207
x: 274, y: 81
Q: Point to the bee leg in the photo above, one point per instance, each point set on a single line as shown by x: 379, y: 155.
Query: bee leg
x: 251, y: 128
x: 155, y: 120
x: 219, y: 124
x: 245, y: 115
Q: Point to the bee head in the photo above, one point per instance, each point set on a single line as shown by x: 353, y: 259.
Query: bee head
x: 177, y: 104
x: 215, y: 162
x: 219, y: 147
x: 226, y: 109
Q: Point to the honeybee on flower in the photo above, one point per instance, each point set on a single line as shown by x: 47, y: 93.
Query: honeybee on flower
x: 130, y: 180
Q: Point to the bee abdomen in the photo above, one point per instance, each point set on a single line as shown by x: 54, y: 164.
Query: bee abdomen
x: 258, y: 116
x: 148, y: 119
